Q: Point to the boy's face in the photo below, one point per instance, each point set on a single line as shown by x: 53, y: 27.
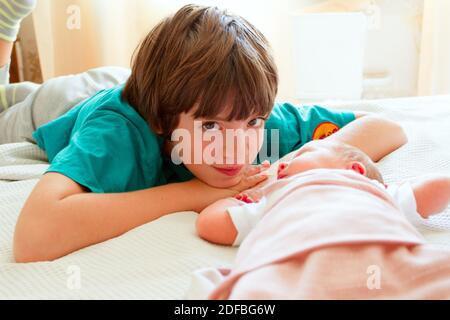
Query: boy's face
x: 218, y: 151
x: 316, y: 155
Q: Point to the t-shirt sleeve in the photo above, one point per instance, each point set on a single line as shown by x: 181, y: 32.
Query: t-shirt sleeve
x: 109, y: 154
x: 318, y: 122
x: 297, y: 125
x: 403, y: 196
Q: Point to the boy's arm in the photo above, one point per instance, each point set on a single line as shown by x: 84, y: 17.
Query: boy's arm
x: 432, y: 194
x: 60, y: 216
x: 214, y: 223
x: 374, y: 135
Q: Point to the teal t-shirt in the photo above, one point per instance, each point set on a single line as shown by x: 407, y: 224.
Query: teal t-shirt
x: 106, y: 146
x: 289, y: 127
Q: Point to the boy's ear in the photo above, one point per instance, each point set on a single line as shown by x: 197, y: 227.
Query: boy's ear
x: 358, y: 167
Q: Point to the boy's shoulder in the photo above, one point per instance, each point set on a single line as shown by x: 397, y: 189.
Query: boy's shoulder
x: 286, y: 115
x: 109, y: 101
x: 105, y: 114
x: 104, y: 145
x: 109, y: 107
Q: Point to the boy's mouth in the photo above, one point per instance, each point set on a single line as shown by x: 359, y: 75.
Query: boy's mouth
x: 230, y: 170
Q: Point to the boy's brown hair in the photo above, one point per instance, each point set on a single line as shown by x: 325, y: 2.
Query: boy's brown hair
x: 202, y: 57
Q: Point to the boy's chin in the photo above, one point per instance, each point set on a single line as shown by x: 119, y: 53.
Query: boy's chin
x: 223, y: 183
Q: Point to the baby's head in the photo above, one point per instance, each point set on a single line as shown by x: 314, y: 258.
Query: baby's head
x: 328, y: 154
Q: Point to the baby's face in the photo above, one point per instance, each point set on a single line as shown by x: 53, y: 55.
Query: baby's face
x: 314, y: 155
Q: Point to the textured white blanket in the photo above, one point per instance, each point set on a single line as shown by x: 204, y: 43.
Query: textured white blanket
x: 155, y: 261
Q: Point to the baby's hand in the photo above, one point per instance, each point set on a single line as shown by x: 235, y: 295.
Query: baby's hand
x: 250, y: 196
x: 282, y: 170
x: 253, y: 176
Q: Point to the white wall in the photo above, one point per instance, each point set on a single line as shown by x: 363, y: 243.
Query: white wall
x: 392, y: 44
x: 393, y: 49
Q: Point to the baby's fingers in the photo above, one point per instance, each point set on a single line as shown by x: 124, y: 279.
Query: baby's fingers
x: 253, y: 170
x: 265, y: 165
x: 246, y: 198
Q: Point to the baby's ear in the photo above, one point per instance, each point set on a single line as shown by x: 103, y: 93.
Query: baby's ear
x: 358, y: 167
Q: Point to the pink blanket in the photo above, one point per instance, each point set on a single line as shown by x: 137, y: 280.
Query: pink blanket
x: 334, y: 234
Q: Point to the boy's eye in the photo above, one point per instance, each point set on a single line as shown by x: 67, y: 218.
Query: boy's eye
x: 211, y: 126
x: 258, y: 122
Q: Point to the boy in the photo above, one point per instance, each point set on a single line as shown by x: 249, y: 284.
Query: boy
x: 228, y: 221
x: 111, y: 156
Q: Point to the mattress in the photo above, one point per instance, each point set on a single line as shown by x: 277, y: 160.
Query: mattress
x: 156, y: 260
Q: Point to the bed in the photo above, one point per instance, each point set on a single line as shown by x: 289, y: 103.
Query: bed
x: 156, y: 260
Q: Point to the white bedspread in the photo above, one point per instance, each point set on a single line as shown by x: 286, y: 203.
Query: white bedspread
x: 155, y: 261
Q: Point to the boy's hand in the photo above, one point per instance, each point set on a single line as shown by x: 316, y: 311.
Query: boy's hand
x: 253, y: 176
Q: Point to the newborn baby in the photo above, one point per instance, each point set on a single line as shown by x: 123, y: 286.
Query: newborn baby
x: 228, y: 221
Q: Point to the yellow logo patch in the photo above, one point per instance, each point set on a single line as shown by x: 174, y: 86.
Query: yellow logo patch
x: 324, y: 130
